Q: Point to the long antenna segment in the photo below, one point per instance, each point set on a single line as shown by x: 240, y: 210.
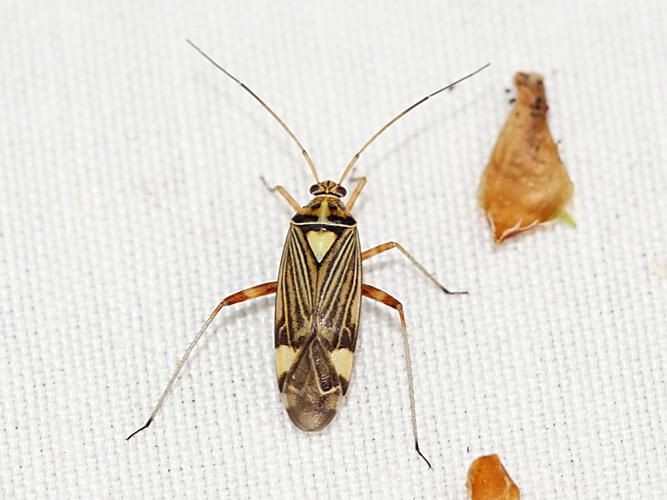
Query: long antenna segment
x: 265, y: 106
x: 354, y: 159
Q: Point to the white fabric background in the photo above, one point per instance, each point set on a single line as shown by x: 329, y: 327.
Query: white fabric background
x: 130, y: 203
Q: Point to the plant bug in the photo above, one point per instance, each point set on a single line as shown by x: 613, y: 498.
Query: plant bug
x: 318, y: 293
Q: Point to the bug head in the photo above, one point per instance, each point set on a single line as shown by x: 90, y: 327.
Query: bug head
x: 326, y: 207
x: 328, y: 187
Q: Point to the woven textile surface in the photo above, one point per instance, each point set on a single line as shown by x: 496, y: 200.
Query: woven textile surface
x: 131, y: 203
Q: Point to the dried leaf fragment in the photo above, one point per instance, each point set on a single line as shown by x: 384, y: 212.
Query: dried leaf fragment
x: 488, y: 480
x: 525, y: 182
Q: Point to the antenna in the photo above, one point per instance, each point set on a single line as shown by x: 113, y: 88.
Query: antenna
x: 265, y: 106
x: 401, y: 115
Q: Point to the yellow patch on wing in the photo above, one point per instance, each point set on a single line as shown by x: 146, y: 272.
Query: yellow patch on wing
x: 320, y: 242
x: 285, y: 356
x: 342, y: 360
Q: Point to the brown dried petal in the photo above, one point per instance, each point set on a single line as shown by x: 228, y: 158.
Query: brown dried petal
x: 525, y: 183
x: 488, y: 480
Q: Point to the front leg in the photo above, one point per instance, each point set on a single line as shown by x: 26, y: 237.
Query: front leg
x: 392, y: 244
x: 357, y: 191
x: 282, y: 192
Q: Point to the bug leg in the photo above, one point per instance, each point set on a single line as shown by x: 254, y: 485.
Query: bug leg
x: 282, y: 192
x: 357, y: 191
x: 242, y: 296
x: 376, y: 294
x: 371, y: 252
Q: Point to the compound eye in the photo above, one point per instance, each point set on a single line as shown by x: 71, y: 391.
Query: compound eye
x: 314, y: 188
x: 340, y: 190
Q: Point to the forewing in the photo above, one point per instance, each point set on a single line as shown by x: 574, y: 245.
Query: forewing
x: 297, y: 279
x: 339, y: 300
x: 318, y: 295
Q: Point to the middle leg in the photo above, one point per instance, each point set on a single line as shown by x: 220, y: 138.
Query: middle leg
x: 371, y: 252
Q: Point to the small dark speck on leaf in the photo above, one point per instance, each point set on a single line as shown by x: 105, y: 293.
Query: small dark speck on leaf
x: 508, y: 90
x: 537, y: 104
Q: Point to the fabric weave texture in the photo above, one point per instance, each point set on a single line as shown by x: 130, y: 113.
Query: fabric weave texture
x: 131, y: 203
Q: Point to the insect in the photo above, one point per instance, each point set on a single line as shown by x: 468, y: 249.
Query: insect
x: 318, y: 294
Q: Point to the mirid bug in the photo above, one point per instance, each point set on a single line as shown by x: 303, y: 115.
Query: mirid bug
x: 318, y: 294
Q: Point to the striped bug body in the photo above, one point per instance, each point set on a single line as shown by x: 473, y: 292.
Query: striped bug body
x: 318, y: 302
x: 318, y: 294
